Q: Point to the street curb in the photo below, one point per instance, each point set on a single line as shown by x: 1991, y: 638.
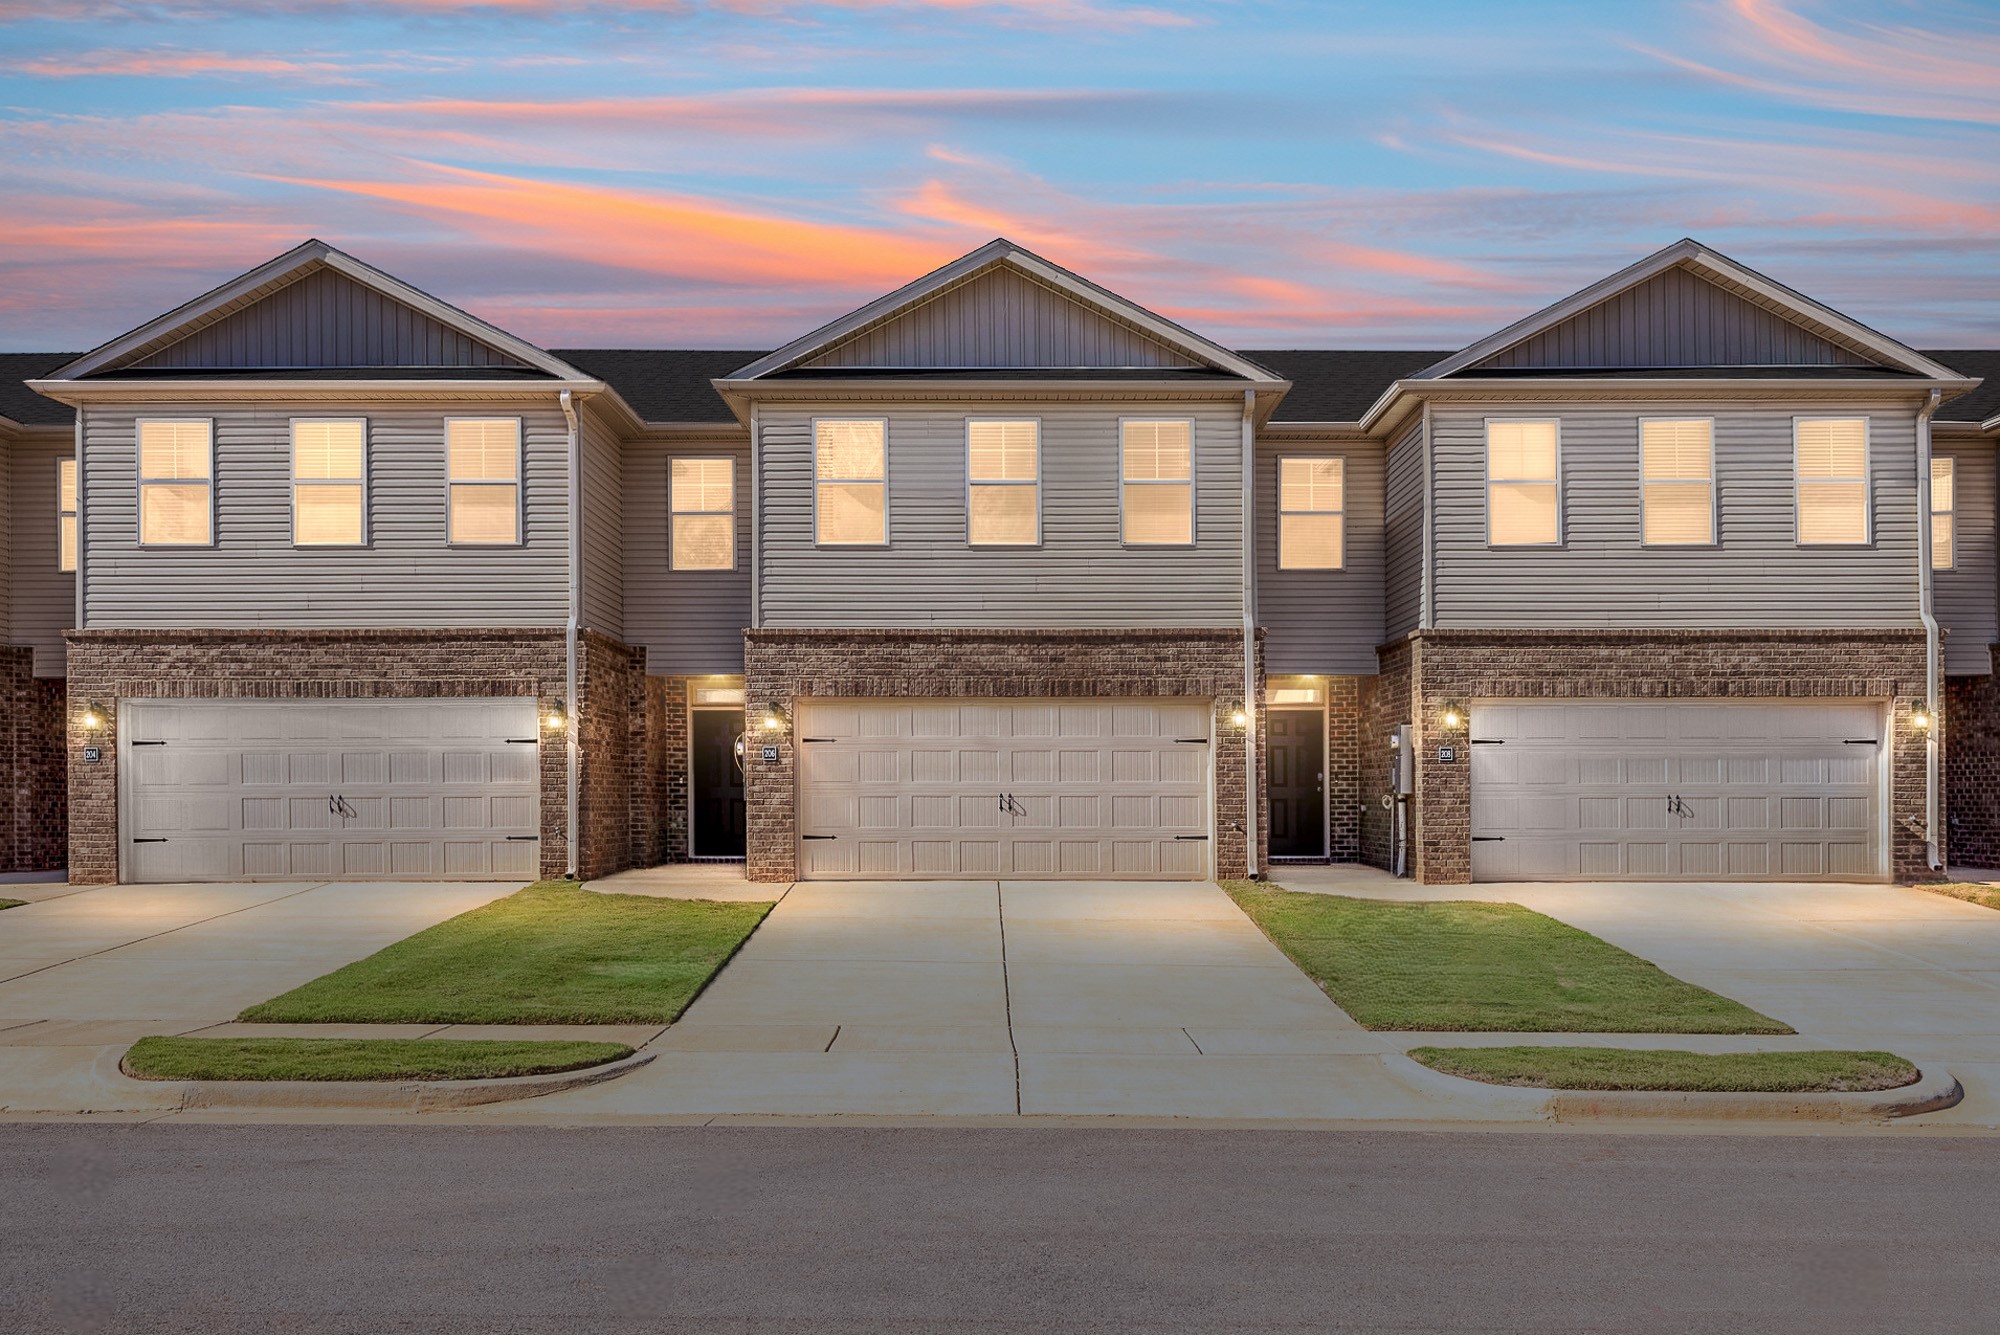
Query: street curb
x: 397, y: 1095
x: 1932, y: 1091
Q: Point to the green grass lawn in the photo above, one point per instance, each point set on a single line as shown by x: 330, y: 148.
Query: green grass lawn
x: 11, y: 903
x: 550, y: 954
x: 1471, y: 966
x: 358, y: 1058
x: 1623, y: 1068
x: 1985, y: 896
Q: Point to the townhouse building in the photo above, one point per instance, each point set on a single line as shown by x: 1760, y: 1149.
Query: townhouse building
x: 1685, y: 577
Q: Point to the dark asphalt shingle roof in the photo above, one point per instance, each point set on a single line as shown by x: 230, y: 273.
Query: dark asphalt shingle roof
x: 1337, y: 386
x: 23, y: 404
x: 1981, y: 403
x: 663, y: 384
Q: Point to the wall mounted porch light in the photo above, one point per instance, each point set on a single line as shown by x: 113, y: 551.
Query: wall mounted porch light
x: 555, y: 720
x: 1920, y: 716
x: 1454, y: 717
x: 1238, y: 715
x: 773, y: 718
x: 93, y: 717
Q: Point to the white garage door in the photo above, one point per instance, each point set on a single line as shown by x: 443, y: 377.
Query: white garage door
x: 329, y: 789
x: 1693, y: 790
x: 1043, y: 789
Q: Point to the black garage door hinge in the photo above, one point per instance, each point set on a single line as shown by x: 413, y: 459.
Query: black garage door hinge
x: 522, y: 838
x: 1191, y: 837
x: 524, y: 741
x: 1489, y: 838
x: 149, y: 841
x: 819, y: 836
x: 1202, y: 741
x: 1863, y: 741
x: 1489, y: 741
x: 135, y: 743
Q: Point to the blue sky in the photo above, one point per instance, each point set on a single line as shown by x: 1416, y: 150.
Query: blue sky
x: 733, y: 172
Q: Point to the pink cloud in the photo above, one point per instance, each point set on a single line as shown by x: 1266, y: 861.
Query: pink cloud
x: 1046, y: 13
x: 168, y: 64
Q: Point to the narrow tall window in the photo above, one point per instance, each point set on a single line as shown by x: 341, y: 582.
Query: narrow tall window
x: 176, y: 484
x: 701, y: 505
x: 484, y: 460
x: 1944, y: 514
x: 66, y: 514
x: 1003, y: 472
x: 1523, y: 491
x: 329, y: 483
x: 1312, y: 504
x: 1158, y: 482
x: 1832, y: 462
x: 1678, y: 489
x: 851, y: 483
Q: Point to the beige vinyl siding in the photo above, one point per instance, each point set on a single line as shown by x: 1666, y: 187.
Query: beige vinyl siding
x: 1755, y: 576
x: 1322, y: 621
x: 688, y: 621
x: 254, y: 576
x: 41, y: 599
x: 1967, y: 603
x: 1403, y: 533
x: 603, y: 526
x: 1080, y: 575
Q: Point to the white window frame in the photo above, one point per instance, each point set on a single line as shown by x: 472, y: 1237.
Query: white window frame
x: 813, y: 477
x: 292, y: 494
x: 1714, y: 487
x: 75, y: 513
x: 1279, y: 489
x: 1486, y: 494
x: 1036, y: 483
x: 520, y: 483
x: 139, y: 488
x: 1194, y: 493
x: 734, y: 533
x: 1950, y: 514
x: 1867, y: 478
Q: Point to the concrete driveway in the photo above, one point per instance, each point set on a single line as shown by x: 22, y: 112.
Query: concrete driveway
x: 1000, y: 998
x: 85, y: 972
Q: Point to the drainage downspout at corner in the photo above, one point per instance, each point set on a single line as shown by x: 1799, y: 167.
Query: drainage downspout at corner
x: 571, y: 721
x: 1252, y: 715
x: 1933, y: 677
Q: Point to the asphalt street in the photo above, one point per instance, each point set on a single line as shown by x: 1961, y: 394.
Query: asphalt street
x: 448, y: 1229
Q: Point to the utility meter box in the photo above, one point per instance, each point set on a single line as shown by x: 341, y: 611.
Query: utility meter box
x: 1403, y: 760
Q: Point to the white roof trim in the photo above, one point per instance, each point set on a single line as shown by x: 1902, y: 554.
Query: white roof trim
x: 1817, y: 318
x: 268, y: 277
x: 995, y: 252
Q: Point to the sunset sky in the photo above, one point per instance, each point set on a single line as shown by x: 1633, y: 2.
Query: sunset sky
x: 730, y: 173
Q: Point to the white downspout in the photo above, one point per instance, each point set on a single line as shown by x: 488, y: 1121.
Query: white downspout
x: 82, y: 547
x: 1933, y: 678
x: 756, y: 525
x: 570, y: 720
x: 1252, y: 715
x: 1426, y: 600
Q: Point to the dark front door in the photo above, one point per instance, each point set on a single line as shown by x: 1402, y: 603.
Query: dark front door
x: 1297, y: 760
x: 718, y: 783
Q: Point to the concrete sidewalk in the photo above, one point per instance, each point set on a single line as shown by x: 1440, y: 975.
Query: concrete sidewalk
x: 85, y: 973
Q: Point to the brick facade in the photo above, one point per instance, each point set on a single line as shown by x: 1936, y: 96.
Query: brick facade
x: 787, y: 666
x: 34, y: 808
x: 1972, y: 770
x: 661, y: 810
x: 1383, y: 703
x: 1341, y: 720
x: 1444, y: 667
x: 106, y: 666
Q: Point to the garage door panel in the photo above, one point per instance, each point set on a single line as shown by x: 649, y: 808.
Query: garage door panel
x: 1687, y: 790
x: 238, y: 789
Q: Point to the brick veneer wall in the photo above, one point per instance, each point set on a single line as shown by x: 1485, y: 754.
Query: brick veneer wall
x: 1383, y: 704
x: 1343, y: 768
x: 106, y: 666
x: 34, y: 805
x: 612, y: 730
x: 1452, y: 666
x: 1972, y: 770
x: 787, y: 666
x: 661, y: 810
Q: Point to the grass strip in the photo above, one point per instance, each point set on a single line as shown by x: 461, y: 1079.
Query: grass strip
x: 1479, y: 967
x: 1985, y: 896
x: 11, y: 903
x: 359, y: 1058
x: 552, y: 953
x: 1673, y: 1071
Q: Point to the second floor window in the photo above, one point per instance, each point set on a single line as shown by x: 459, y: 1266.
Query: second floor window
x: 701, y: 504
x: 851, y: 483
x: 1157, y: 482
x: 1944, y: 504
x: 176, y: 484
x: 66, y: 514
x: 1312, y: 503
x: 1523, y: 484
x: 1003, y: 488
x: 483, y: 463
x: 1831, y: 455
x: 1677, y: 456
x: 329, y: 483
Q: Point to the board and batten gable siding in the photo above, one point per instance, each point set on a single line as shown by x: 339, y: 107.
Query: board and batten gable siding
x: 1675, y: 319
x: 1002, y: 318
x: 325, y: 319
x: 1403, y: 535
x: 1967, y: 601
x: 1757, y: 576
x: 690, y: 622
x: 1324, y: 622
x: 1081, y: 575
x: 406, y: 577
x: 41, y: 595
x: 603, y: 525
